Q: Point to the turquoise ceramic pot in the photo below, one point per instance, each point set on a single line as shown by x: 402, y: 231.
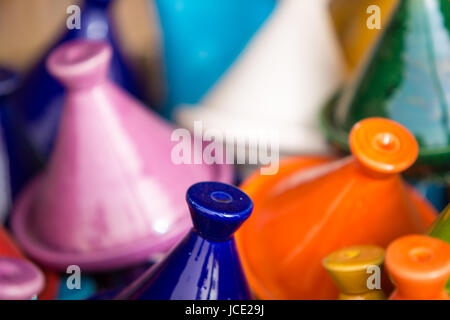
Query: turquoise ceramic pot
x: 201, y: 39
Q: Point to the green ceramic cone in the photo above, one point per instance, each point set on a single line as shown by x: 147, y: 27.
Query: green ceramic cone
x: 406, y: 79
x: 441, y: 229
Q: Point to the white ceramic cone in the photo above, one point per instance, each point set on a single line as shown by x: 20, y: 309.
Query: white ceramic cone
x: 289, y: 69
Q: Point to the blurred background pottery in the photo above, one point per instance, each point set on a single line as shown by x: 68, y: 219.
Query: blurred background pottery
x: 107, y: 198
x: 201, y: 39
x: 19, y: 280
x: 205, y: 265
x: 406, y: 80
x: 19, y: 161
x: 436, y: 192
x: 314, y: 206
x: 39, y: 100
x: 278, y: 83
x: 86, y: 290
x: 8, y: 249
x: 441, y: 229
x: 351, y: 269
x: 419, y: 266
x: 352, y: 19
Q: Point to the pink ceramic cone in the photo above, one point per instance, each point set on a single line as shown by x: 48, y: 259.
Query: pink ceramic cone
x: 111, y: 195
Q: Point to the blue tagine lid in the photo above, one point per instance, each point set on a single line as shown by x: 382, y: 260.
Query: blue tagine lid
x: 205, y: 265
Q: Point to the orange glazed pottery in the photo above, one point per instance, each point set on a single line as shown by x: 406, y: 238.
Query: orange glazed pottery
x: 314, y: 206
x: 419, y: 266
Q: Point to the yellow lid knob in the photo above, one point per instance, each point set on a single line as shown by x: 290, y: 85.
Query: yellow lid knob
x: 356, y: 270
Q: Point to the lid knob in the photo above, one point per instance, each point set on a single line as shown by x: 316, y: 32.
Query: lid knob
x: 217, y: 209
x: 383, y: 145
x: 80, y: 63
x: 419, y: 266
x: 350, y: 270
x: 19, y: 279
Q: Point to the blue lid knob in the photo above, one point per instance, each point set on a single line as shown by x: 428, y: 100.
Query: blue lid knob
x: 217, y: 209
x: 9, y: 81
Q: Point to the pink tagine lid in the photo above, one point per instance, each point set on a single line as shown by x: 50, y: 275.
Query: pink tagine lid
x: 19, y: 279
x: 113, y: 192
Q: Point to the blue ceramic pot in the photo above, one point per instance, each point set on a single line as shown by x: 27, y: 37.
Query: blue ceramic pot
x: 201, y: 39
x: 40, y: 98
x: 18, y: 161
x: 205, y: 265
x: 435, y: 192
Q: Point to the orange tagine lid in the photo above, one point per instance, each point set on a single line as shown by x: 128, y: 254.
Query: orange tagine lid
x: 419, y: 266
x: 314, y: 206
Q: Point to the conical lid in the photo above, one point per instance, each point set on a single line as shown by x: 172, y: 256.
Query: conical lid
x: 356, y: 23
x: 40, y: 98
x: 201, y: 39
x: 406, y: 80
x: 205, y: 265
x: 279, y: 82
x: 19, y: 279
x: 112, y: 194
x: 314, y: 206
x: 419, y: 266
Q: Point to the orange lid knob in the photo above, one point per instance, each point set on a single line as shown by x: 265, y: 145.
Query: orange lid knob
x: 357, y: 272
x: 419, y: 266
x: 383, y: 145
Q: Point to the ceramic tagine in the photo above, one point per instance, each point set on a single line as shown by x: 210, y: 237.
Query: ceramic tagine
x: 41, y: 96
x: 441, y: 229
x: 205, y: 265
x: 357, y: 27
x: 19, y: 162
x: 353, y: 269
x: 201, y: 39
x: 314, y: 206
x: 406, y: 80
x: 19, y: 278
x: 277, y: 85
x: 419, y: 266
x: 110, y: 195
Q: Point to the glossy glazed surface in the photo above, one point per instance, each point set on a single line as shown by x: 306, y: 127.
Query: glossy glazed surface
x: 40, y: 99
x: 350, y: 18
x: 352, y: 268
x: 405, y: 80
x: 314, y: 206
x: 205, y: 265
x: 201, y: 39
x: 8, y: 249
x: 419, y: 266
x: 107, y: 198
x: 19, y: 279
